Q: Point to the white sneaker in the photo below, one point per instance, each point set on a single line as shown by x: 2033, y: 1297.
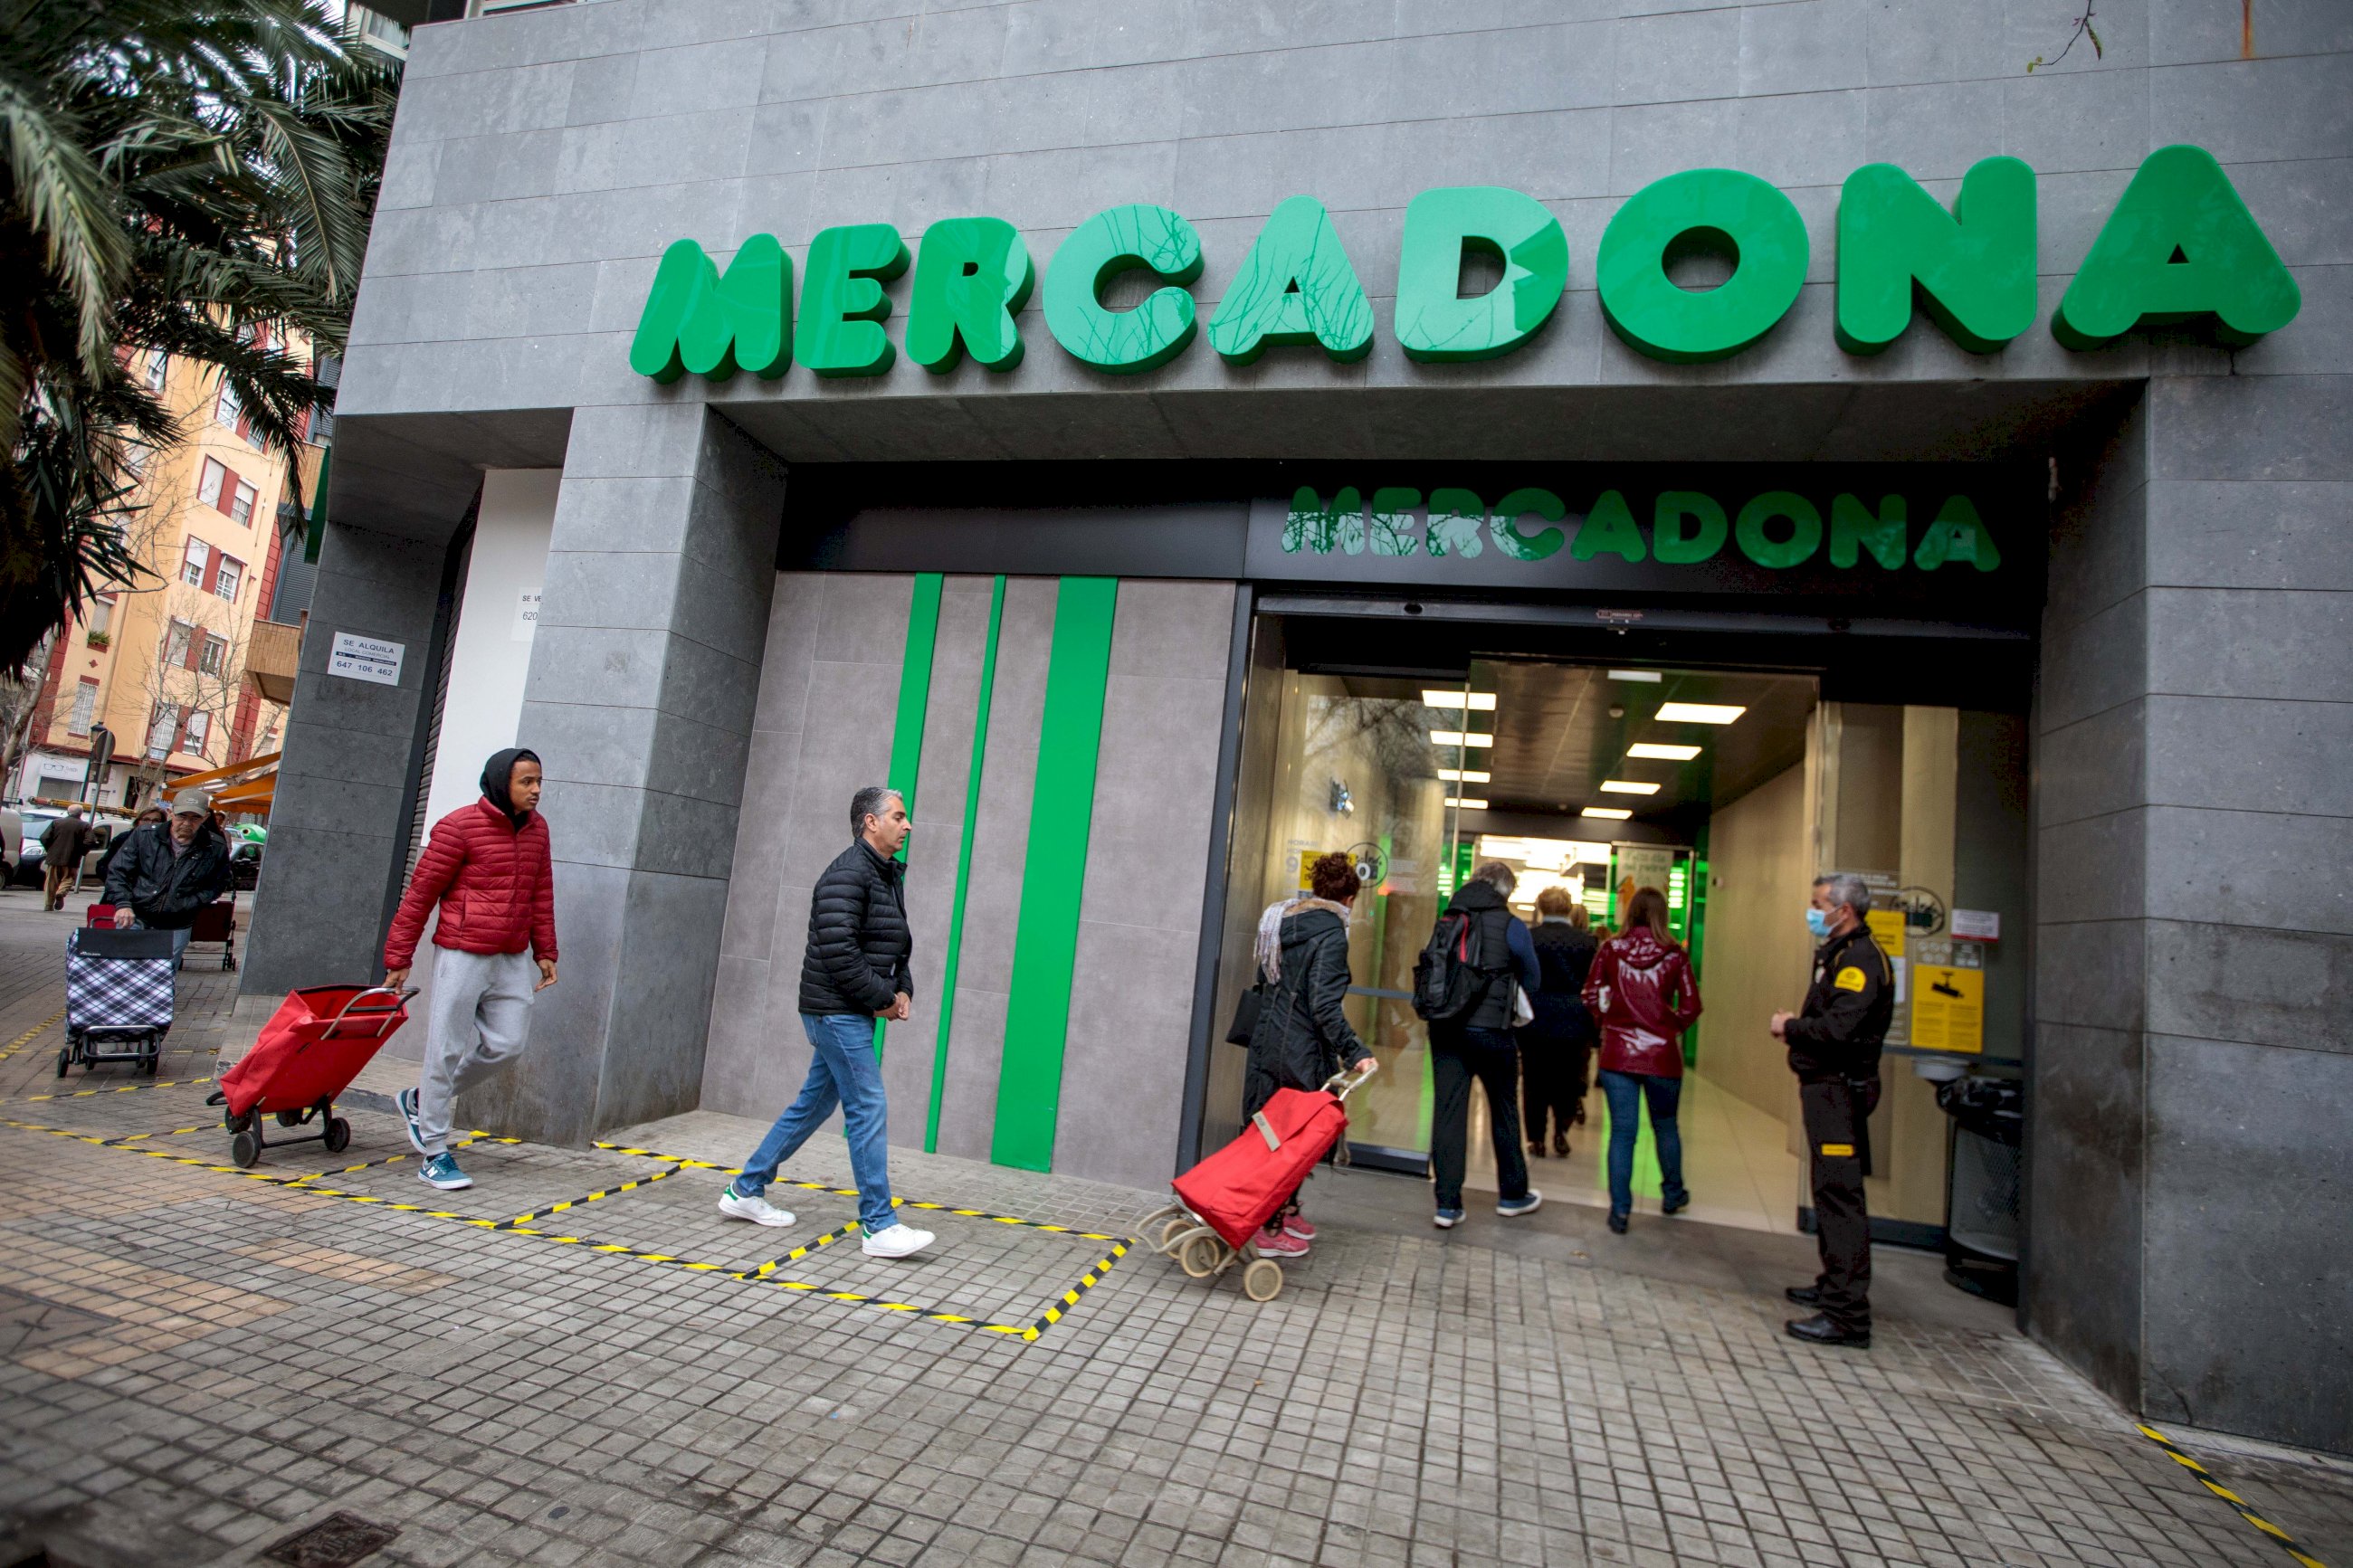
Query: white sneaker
x: 759, y: 1211
x: 896, y: 1241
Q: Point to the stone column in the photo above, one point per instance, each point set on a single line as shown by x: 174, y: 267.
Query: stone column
x: 336, y: 827
x: 644, y: 674
x: 2193, y: 1064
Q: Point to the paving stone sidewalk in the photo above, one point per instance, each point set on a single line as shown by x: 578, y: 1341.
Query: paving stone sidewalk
x: 194, y: 1363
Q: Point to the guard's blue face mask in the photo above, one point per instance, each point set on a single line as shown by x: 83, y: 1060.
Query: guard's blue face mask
x: 1817, y: 922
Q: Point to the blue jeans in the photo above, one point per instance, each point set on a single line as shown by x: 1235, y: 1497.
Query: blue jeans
x: 1625, y: 1092
x: 843, y: 1072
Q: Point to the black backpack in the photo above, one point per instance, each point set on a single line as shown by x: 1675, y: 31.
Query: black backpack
x: 1450, y: 978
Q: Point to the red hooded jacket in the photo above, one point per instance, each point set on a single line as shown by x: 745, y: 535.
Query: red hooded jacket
x: 1643, y: 993
x: 495, y: 883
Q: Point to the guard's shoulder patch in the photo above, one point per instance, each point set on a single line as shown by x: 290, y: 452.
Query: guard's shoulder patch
x: 1850, y: 979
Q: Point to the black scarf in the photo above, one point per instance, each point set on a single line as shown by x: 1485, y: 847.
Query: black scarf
x: 497, y: 774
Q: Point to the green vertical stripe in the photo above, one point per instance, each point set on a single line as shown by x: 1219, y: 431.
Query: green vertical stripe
x: 946, y: 1003
x: 1046, y: 937
x: 915, y: 700
x: 318, y: 529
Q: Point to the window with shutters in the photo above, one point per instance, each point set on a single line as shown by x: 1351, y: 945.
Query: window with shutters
x: 100, y: 620
x: 213, y: 657
x: 200, y: 732
x: 84, y: 705
x: 193, y: 562
x: 162, y: 729
x: 210, y: 481
x: 226, y: 409
x: 159, y: 364
x: 241, y: 497
x: 176, y: 641
x: 227, y: 577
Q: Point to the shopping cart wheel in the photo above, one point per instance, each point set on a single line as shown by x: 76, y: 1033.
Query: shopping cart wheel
x: 1201, y: 1254
x: 1170, y: 1232
x: 64, y: 1060
x: 246, y: 1148
x: 154, y: 1062
x: 1263, y: 1280
x: 339, y: 1135
x: 289, y: 1119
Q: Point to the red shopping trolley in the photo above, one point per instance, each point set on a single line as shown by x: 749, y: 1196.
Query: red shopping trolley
x: 308, y: 1052
x: 1222, y: 1202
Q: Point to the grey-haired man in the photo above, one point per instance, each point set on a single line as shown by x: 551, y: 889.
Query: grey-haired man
x: 853, y: 971
x: 1834, y: 1043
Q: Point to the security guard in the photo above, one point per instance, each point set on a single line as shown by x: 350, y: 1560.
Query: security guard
x: 1834, y: 1050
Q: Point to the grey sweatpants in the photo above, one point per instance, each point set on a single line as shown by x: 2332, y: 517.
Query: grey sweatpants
x: 480, y: 1018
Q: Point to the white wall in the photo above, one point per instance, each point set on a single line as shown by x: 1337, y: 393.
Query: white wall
x: 492, y: 651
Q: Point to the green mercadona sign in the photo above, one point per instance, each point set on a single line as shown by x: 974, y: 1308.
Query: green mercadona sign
x: 2178, y: 247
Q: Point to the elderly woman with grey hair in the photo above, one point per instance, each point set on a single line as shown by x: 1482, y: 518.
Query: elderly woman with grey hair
x: 1480, y: 1046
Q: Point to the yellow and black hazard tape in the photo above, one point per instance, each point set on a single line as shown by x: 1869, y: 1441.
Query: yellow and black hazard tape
x: 797, y: 1253
x: 26, y: 1039
x: 1087, y: 1281
x: 574, y: 1203
x: 2228, y: 1496
x: 852, y: 1192
x: 757, y: 1276
x: 108, y: 1089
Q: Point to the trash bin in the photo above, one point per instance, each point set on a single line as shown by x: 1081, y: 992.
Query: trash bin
x: 1984, y: 1172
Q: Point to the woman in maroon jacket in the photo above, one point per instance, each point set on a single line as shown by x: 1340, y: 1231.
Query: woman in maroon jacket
x: 489, y: 868
x: 1642, y: 991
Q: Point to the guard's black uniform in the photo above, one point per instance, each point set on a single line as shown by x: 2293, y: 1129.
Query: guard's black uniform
x: 1834, y: 1050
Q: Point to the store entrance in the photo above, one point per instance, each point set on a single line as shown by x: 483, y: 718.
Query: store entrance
x: 1726, y: 784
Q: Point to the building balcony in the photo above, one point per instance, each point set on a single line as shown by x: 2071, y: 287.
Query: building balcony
x: 273, y: 654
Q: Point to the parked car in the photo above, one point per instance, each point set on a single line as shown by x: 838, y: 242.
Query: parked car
x: 12, y: 839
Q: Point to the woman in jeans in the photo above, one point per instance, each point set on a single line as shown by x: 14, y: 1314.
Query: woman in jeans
x: 1642, y: 991
x: 1302, y: 1036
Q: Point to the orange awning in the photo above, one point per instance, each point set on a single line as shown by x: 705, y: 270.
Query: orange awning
x: 235, y: 770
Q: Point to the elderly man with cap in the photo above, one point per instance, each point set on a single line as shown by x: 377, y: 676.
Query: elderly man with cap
x: 489, y: 868
x: 168, y: 870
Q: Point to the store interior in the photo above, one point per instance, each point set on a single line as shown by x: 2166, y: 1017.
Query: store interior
x: 1727, y: 788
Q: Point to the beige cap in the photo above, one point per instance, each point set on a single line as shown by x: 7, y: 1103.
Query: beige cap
x: 195, y: 801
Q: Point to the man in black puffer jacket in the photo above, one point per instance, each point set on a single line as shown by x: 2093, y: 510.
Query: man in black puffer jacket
x: 854, y: 971
x: 168, y: 872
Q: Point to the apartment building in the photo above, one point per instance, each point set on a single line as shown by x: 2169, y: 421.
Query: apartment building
x: 177, y: 669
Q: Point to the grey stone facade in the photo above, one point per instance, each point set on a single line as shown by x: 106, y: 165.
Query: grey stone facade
x: 2193, y: 1070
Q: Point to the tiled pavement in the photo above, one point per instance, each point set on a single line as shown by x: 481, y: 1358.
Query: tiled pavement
x: 194, y: 1364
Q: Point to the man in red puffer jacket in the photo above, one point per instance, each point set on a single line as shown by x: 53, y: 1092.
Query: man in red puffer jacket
x: 489, y: 868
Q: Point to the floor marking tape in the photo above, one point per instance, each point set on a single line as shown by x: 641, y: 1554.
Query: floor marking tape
x: 110, y: 1088
x: 750, y: 1276
x: 852, y: 1192
x: 590, y: 1198
x: 2228, y: 1496
x: 21, y: 1041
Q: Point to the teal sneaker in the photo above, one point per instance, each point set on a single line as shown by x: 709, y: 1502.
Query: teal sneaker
x: 406, y: 1101
x: 441, y: 1170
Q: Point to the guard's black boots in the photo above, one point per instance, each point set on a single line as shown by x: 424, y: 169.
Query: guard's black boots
x: 1820, y: 1330
x: 1805, y: 1295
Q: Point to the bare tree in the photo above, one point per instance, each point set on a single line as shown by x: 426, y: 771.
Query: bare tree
x: 20, y: 694
x: 192, y: 683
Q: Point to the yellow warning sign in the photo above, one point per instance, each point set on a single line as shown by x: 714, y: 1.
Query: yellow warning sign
x: 1948, y: 1009
x: 1887, y: 930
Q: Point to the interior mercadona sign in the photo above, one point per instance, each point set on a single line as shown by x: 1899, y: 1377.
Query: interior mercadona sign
x: 2179, y: 246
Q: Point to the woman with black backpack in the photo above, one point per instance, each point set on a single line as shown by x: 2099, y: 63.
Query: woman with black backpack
x: 1302, y: 1035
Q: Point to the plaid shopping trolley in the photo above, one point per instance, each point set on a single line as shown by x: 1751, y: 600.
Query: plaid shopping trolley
x: 118, y: 998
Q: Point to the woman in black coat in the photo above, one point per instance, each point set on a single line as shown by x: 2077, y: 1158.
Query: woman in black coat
x: 1302, y: 1036
x: 1556, y: 1050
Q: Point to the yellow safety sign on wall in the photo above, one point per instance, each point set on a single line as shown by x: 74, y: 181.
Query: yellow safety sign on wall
x: 1948, y: 1009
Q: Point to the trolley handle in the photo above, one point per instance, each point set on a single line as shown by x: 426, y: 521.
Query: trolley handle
x: 399, y: 997
x: 1348, y: 1082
